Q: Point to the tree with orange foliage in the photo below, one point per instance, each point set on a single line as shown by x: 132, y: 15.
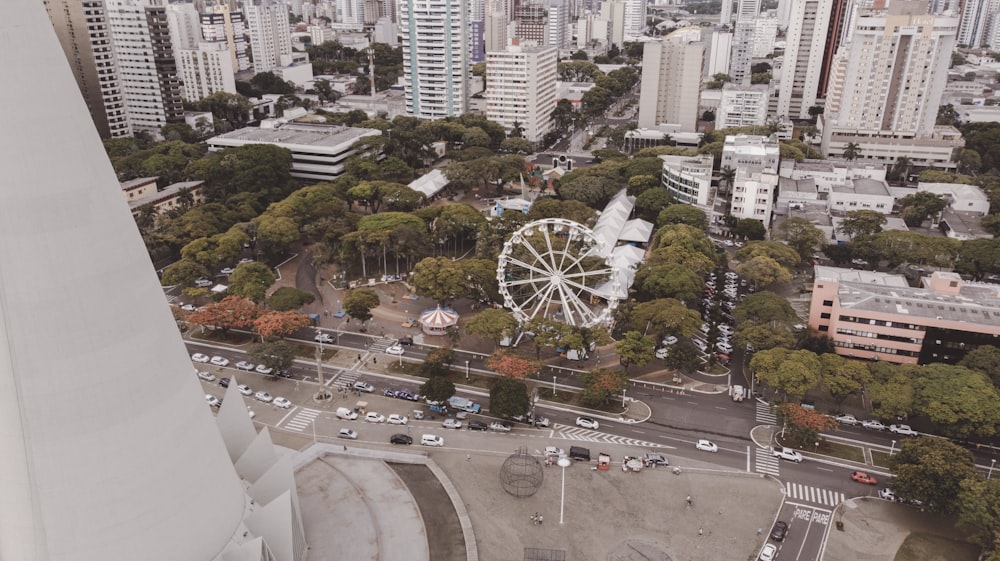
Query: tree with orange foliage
x: 600, y: 385
x: 512, y: 365
x: 279, y: 324
x: 804, y: 425
x: 232, y: 312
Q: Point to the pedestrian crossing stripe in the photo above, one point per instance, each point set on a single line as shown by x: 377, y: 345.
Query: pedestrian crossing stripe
x: 586, y: 435
x: 765, y: 415
x: 764, y: 462
x: 814, y: 495
x: 302, y: 419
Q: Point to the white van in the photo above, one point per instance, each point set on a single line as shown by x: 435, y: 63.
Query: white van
x: 346, y: 414
x: 431, y: 440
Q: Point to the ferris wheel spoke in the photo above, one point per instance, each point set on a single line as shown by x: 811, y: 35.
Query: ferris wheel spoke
x: 569, y: 242
x: 551, y: 253
x: 537, y: 294
x: 527, y: 281
x: 519, y: 263
x: 606, y: 272
x: 534, y: 252
x: 543, y: 301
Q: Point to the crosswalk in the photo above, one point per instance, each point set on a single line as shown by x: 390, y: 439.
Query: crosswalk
x: 381, y: 344
x: 343, y: 378
x: 302, y: 419
x: 765, y: 462
x: 765, y: 415
x: 815, y: 495
x: 576, y: 433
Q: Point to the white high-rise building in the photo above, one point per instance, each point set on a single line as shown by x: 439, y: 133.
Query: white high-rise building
x: 765, y: 32
x: 185, y: 26
x: 613, y: 12
x: 805, y: 47
x: 157, y: 477
x: 495, y: 32
x: 206, y: 70
x: 671, y: 80
x: 270, y: 35
x: 689, y: 179
x: 719, y: 55
x: 975, y: 19
x: 742, y: 105
x: 521, y: 88
x: 753, y: 152
x: 146, y: 64
x: 558, y: 32
x: 635, y: 18
x: 220, y: 24
x: 592, y: 31
x: 82, y: 27
x: 756, y: 160
x: 435, y: 57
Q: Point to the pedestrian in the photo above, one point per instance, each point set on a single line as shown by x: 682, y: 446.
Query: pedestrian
x: 374, y: 360
x: 759, y: 530
x: 359, y: 356
x: 690, y: 504
x: 539, y: 519
x: 407, y: 430
x: 701, y: 531
x: 468, y: 457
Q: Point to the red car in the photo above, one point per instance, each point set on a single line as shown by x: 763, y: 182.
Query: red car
x: 862, y: 477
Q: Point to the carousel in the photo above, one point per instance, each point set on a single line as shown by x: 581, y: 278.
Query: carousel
x: 437, y: 321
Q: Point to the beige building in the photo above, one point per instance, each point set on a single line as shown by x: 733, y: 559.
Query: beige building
x: 144, y: 192
x: 671, y: 80
x: 521, y: 88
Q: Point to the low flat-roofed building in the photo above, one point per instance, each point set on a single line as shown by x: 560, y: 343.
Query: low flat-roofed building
x: 318, y: 151
x: 963, y: 225
x: 827, y: 173
x: 689, y: 179
x: 861, y: 194
x: 961, y: 197
x: 144, y: 192
x: 797, y: 194
x: 879, y: 316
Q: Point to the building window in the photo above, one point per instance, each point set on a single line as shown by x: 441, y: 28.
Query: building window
x: 824, y: 316
x: 827, y: 302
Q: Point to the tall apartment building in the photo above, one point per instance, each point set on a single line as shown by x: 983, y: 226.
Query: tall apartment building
x: 206, y: 70
x: 435, y: 57
x: 890, y: 78
x: 756, y: 160
x: 558, y: 33
x: 975, y: 20
x: 811, y: 40
x: 592, y: 31
x: 635, y: 18
x: 147, y: 67
x: 477, y: 31
x: 531, y: 22
x: 185, y: 26
x: 879, y: 316
x: 270, y: 35
x: 719, y: 55
x: 521, y: 88
x: 671, y: 80
x: 495, y: 32
x: 765, y: 33
x: 221, y: 23
x: 85, y: 35
x: 741, y: 106
x: 613, y: 12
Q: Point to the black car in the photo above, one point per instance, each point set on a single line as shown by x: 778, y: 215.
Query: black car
x: 477, y: 425
x: 406, y: 340
x: 224, y: 382
x: 400, y: 439
x: 780, y: 531
x: 284, y: 374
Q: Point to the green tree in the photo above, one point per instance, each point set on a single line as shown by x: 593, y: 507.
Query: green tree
x: 978, y: 506
x: 651, y: 202
x: 783, y: 254
x: 438, y: 363
x: 635, y: 349
x: 920, y: 206
x: 438, y: 388
x: 601, y: 386
x: 862, y: 223
x: 763, y: 271
x: 765, y: 307
x: 360, y: 302
x: 985, y: 359
x: 517, y: 144
x: 669, y: 281
x: 749, y: 229
x: 289, y: 298
x: 683, y: 356
x: 891, y: 391
x: 962, y: 403
x: 493, y: 324
x: 762, y: 336
x: 509, y: 397
x: 851, y: 151
x: 801, y: 235
x: 664, y: 316
x: 682, y: 214
x: 843, y: 377
x: 251, y: 280
x: 277, y: 355
x: 183, y: 272
x: 793, y: 373
x: 931, y: 470
x: 438, y: 278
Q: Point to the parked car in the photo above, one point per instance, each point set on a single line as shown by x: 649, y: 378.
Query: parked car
x: 477, y: 425
x: 768, y: 553
x: 699, y: 344
x: 451, y: 423
x: 499, y: 427
x: 655, y: 459
x: 212, y: 400
x: 263, y: 369
x: 888, y: 494
x: 395, y: 350
x: 864, y: 477
x: 873, y: 425
x: 670, y: 340
x: 226, y: 271
x: 400, y: 439
x: 724, y: 346
x: 847, y: 420
x: 198, y: 357
x: 707, y: 446
x: 245, y: 389
x: 373, y: 417
x: 244, y: 365
x: 282, y: 402
x: 263, y: 396
x: 779, y: 531
x: 787, y: 454
x: 363, y: 386
x: 203, y: 283
x: 542, y: 421
x: 395, y: 419
x: 661, y: 353
x: 220, y: 361
x: 431, y: 440
x: 207, y: 376
x: 587, y: 423
x: 224, y: 382
x: 405, y: 341
x: 904, y: 430
x: 348, y: 434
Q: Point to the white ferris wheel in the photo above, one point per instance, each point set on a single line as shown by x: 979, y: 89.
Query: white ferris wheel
x: 558, y: 269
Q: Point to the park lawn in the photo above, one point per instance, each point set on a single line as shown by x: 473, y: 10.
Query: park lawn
x: 925, y: 547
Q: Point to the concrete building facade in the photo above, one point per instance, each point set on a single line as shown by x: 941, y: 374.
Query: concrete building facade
x: 689, y: 179
x: 435, y: 57
x: 671, y: 80
x: 206, y: 70
x: 741, y: 106
x: 807, y: 50
x: 221, y: 24
x: 270, y: 34
x: 521, y: 88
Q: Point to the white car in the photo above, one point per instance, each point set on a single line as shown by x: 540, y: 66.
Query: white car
x: 207, y: 376
x: 587, y: 423
x: 707, y: 446
x: 374, y: 417
x: 212, y: 400
x: 198, y: 357
x: 263, y: 396
x: 395, y: 419
x: 499, y: 427
x: 705, y: 328
x: 244, y: 365
x: 699, y: 344
x: 670, y: 340
x: 887, y: 494
x: 542, y: 421
x: 847, y: 419
x: 431, y: 440
x: 203, y: 283
x: 245, y: 389
x: 903, y: 430
x: 348, y: 434
x: 724, y: 347
x: 787, y: 454
x: 226, y: 271
x: 263, y: 369
x: 769, y: 553
x: 220, y: 361
x: 323, y: 338
x: 246, y: 260
x: 363, y: 386
x: 451, y: 423
x: 554, y: 451
x: 395, y: 350
x: 723, y: 328
x: 189, y: 307
x: 282, y: 403
x: 661, y: 353
x: 873, y: 425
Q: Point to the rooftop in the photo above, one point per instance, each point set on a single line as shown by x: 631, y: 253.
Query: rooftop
x: 297, y: 135
x: 787, y: 185
x: 863, y: 186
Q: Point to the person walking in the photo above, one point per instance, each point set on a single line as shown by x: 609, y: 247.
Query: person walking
x: 701, y: 531
x: 468, y: 457
x: 690, y: 503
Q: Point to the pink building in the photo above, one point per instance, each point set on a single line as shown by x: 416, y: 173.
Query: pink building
x: 878, y: 316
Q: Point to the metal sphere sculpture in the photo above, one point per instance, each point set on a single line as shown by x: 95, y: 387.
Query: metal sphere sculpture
x: 521, y: 474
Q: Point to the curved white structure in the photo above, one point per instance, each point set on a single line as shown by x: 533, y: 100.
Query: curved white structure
x: 108, y: 450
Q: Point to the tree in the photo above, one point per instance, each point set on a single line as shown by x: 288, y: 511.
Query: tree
x: 665, y: 316
x: 669, y: 281
x: 792, y: 373
x: 683, y: 356
x: 517, y: 144
x: 978, y: 257
x: 601, y: 386
x: 862, y: 223
x: 438, y: 278
x: 783, y: 254
x: 962, y: 403
x: 801, y: 235
x: 251, y: 280
x: 726, y: 176
x: 851, y: 151
x: 233, y: 312
x: 438, y: 388
x: 979, y: 511
x: 803, y: 426
x: 651, y: 201
x: 289, y: 298
x: 273, y: 324
x: 682, y: 214
x: 931, y: 470
x: 360, y: 302
x: 635, y: 349
x: 843, y: 377
x: 183, y: 272
x: 438, y: 362
x: 509, y: 397
x: 891, y: 391
x: 920, y: 206
x: 762, y: 336
x: 750, y: 229
x: 276, y: 355
x: 985, y: 359
x: 493, y: 324
x: 763, y: 271
x: 765, y: 307
x: 512, y: 365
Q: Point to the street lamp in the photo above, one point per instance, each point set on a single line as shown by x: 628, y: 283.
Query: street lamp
x: 322, y: 394
x: 992, y: 462
x: 563, y: 463
x: 466, y: 371
x: 553, y: 386
x: 892, y: 448
x: 623, y: 398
